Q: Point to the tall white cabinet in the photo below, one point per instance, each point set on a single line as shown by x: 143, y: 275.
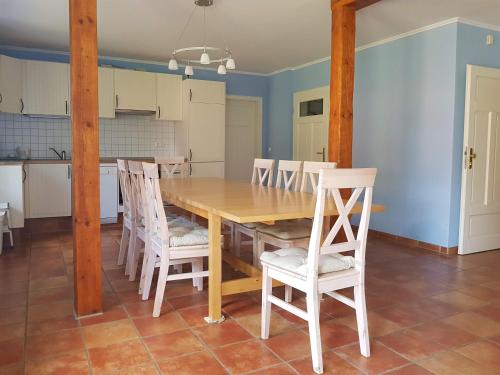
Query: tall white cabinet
x: 11, y: 78
x: 201, y: 135
x: 45, y: 88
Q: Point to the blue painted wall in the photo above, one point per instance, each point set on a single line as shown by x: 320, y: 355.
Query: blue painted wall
x: 236, y: 83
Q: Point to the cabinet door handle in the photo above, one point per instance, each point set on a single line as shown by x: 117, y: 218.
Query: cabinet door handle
x: 190, y: 169
x: 159, y: 112
x: 116, y: 101
x: 22, y: 105
x: 69, y: 172
x: 1, y: 98
x: 190, y: 155
x: 66, y: 106
x: 24, y: 174
x: 190, y: 94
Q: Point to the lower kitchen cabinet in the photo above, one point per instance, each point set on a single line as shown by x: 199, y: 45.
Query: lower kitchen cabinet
x: 48, y: 190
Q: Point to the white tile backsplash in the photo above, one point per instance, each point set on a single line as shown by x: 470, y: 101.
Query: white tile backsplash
x: 124, y: 136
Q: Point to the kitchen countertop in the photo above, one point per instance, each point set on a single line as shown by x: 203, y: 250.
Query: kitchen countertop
x: 58, y: 161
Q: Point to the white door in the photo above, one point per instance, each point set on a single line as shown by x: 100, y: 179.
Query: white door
x: 135, y: 90
x: 206, y: 132
x: 11, y: 78
x: 480, y: 204
x: 106, y: 93
x: 49, y: 190
x: 46, y: 88
x: 243, y: 137
x: 168, y: 97
x: 310, y: 124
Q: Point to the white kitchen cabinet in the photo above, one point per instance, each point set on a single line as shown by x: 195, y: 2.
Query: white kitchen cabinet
x: 207, y: 169
x: 168, y: 97
x: 11, y: 191
x: 109, y: 193
x: 11, y: 78
x: 135, y: 90
x: 46, y: 88
x: 200, y: 91
x: 48, y: 190
x: 200, y: 136
x: 106, y: 93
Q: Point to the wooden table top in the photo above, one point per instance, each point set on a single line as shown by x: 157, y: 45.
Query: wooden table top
x: 244, y: 202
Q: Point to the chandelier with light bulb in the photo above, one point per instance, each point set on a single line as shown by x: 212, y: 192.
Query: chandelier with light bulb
x: 225, y: 58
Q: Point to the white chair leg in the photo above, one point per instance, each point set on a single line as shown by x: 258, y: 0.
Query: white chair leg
x: 236, y: 242
x: 147, y: 250
x: 162, y: 282
x: 314, y: 332
x: 288, y: 293
x: 123, y: 245
x: 258, y: 251
x: 266, y: 305
x: 148, y: 280
x: 361, y: 317
x: 134, y: 260
x: 197, y: 266
x: 11, y: 239
x: 131, y: 250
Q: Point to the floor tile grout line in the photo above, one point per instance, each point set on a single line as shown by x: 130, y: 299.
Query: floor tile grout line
x: 25, y: 346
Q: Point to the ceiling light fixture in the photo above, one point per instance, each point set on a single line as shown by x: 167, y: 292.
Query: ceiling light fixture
x: 184, y: 54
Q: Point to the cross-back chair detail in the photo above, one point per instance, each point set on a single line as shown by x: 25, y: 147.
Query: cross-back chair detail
x: 289, y: 174
x: 310, y: 174
x: 171, y: 167
x: 263, y: 170
x: 321, y: 268
x: 124, y: 181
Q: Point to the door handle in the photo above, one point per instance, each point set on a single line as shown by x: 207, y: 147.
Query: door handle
x: 69, y: 172
x: 116, y: 101
x: 190, y: 94
x: 22, y: 105
x: 190, y: 169
x: 322, y: 153
x: 1, y: 98
x: 190, y: 155
x: 159, y: 112
x: 66, y: 106
x: 472, y: 156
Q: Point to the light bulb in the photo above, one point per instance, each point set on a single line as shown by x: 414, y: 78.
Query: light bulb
x: 230, y: 63
x: 204, y: 59
x: 221, y: 69
x: 172, y: 64
x: 189, y: 70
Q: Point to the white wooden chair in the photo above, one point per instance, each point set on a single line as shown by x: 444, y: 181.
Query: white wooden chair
x: 292, y: 233
x: 171, y: 167
x: 128, y: 213
x: 321, y: 268
x: 289, y: 173
x: 5, y: 223
x: 262, y: 175
x: 169, y: 245
x: 138, y: 230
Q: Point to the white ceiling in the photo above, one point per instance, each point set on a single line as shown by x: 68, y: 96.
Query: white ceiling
x: 264, y: 35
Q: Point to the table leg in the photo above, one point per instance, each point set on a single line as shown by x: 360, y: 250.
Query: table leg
x: 214, y: 270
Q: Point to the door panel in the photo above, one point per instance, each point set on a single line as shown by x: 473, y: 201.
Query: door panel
x: 206, y: 132
x: 135, y: 90
x: 206, y: 91
x: 241, y: 138
x: 480, y: 204
x: 11, y: 78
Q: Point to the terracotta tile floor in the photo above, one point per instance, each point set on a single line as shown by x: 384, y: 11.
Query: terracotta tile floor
x: 427, y: 314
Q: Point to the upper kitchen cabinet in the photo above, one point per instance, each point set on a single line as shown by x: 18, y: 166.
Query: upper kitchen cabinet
x: 45, y: 88
x: 209, y: 92
x: 135, y: 90
x: 106, y: 93
x: 168, y: 97
x: 11, y: 78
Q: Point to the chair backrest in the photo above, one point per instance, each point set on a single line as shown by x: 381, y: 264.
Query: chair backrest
x: 157, y: 219
x: 124, y: 179
x: 310, y: 174
x: 329, y: 185
x: 263, y: 170
x: 289, y: 173
x: 136, y: 180
x: 171, y: 167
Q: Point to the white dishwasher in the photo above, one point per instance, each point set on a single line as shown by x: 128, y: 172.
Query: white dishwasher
x: 109, y: 193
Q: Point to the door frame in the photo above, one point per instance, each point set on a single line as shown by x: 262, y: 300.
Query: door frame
x: 310, y: 94
x: 258, y: 130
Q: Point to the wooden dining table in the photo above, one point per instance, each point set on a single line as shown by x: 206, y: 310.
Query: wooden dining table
x: 216, y: 199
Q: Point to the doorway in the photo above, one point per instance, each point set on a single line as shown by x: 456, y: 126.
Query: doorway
x: 311, y: 110
x: 243, y: 136
x: 480, y: 200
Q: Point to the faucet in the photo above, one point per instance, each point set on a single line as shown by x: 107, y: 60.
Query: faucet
x: 61, y: 155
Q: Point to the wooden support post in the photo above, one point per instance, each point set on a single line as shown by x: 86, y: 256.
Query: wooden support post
x: 85, y: 176
x: 342, y: 82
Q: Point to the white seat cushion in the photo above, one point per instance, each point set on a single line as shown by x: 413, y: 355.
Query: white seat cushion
x: 188, y: 236
x: 250, y: 225
x: 288, y: 230
x: 294, y: 260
